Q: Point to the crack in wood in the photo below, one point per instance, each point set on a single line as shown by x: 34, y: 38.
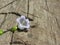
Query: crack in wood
x: 17, y: 14
x: 3, y: 20
x: 5, y: 13
x: 27, y: 8
x: 7, y: 4
x: 47, y: 5
x: 51, y: 25
x: 57, y: 23
x: 12, y: 38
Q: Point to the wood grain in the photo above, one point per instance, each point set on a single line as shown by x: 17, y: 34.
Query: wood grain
x: 46, y: 16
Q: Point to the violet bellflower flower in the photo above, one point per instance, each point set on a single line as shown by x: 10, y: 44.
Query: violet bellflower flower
x: 23, y: 23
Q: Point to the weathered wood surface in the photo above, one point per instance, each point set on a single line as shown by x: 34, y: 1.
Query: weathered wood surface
x: 46, y: 15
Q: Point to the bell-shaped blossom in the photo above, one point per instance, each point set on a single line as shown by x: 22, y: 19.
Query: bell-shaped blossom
x: 23, y: 23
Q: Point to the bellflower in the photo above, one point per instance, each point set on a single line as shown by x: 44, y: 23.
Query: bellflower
x: 23, y: 23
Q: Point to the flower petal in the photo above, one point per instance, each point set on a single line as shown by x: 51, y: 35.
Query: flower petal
x: 18, y: 20
x: 28, y: 26
x: 22, y: 17
x: 20, y: 27
x: 27, y: 20
x: 28, y: 23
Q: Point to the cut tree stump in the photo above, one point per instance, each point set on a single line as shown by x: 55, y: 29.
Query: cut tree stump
x: 46, y: 16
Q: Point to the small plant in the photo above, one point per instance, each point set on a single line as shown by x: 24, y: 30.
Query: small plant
x: 23, y: 24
